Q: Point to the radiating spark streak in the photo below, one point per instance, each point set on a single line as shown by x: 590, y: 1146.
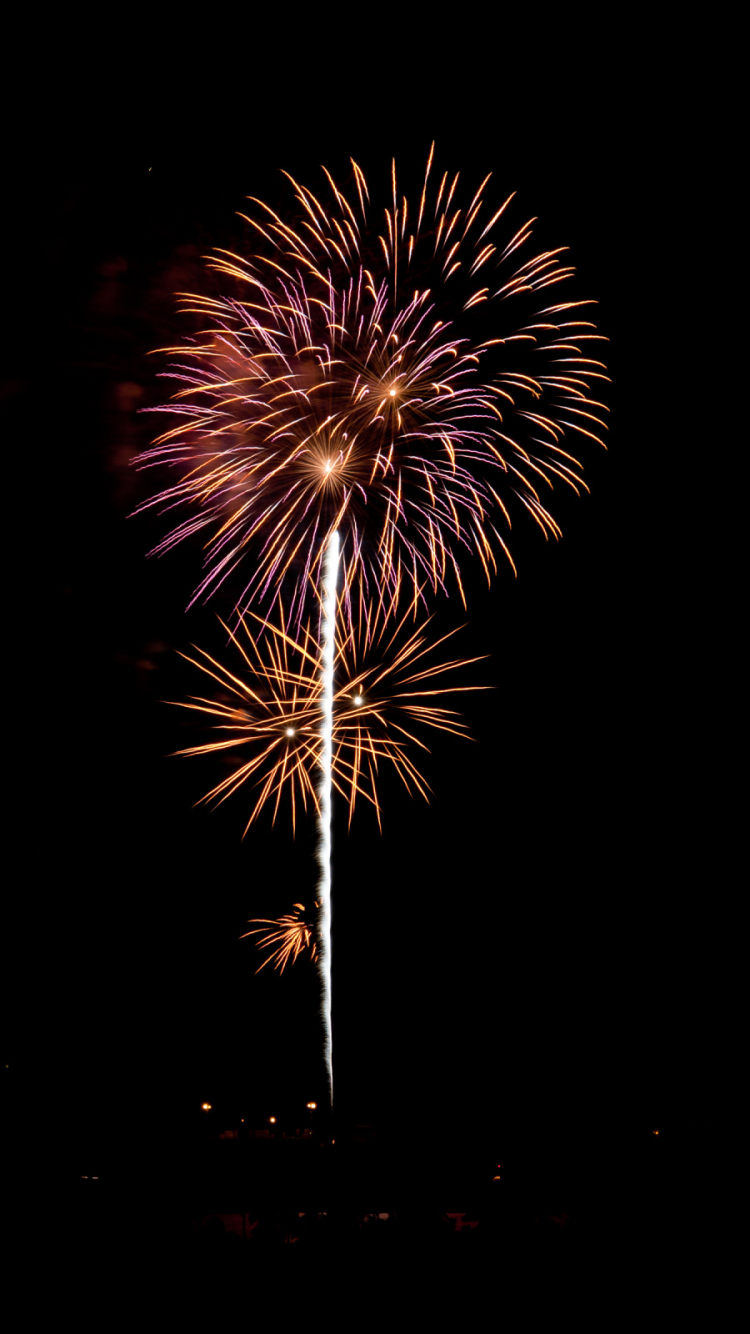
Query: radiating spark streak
x: 317, y: 389
x: 291, y: 934
x: 328, y: 651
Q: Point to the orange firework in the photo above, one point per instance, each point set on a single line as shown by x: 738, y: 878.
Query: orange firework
x: 270, y: 708
x: 398, y: 374
x: 290, y: 937
x: 389, y: 689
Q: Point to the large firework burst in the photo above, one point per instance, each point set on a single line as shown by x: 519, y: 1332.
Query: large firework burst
x: 399, y: 374
x: 389, y: 689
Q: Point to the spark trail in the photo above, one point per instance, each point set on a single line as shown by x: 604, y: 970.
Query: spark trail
x: 328, y: 650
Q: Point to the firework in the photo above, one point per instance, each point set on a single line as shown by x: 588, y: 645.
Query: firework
x: 289, y: 937
x: 376, y: 391
x: 268, y: 712
x: 398, y: 374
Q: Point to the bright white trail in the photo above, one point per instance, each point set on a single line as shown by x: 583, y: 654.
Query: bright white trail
x: 328, y: 643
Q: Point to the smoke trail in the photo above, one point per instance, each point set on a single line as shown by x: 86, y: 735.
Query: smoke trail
x: 328, y: 640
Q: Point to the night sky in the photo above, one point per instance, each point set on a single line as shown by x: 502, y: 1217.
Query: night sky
x: 507, y: 958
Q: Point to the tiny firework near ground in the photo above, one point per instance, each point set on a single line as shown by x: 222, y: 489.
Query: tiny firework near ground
x: 290, y: 936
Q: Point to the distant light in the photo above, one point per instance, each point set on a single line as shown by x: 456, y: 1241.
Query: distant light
x: 272, y: 1119
x: 654, y: 1132
x: 206, y: 1106
x: 312, y: 1106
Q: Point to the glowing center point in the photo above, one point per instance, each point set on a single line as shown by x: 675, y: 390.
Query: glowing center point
x: 290, y: 731
x: 392, y: 393
x: 329, y: 465
x: 358, y: 699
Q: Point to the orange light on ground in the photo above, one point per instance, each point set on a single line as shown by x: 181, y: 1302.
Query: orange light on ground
x: 272, y: 1120
x: 311, y: 1106
x: 206, y: 1106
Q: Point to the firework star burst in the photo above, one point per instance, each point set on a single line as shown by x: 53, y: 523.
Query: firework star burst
x: 265, y: 718
x: 404, y: 373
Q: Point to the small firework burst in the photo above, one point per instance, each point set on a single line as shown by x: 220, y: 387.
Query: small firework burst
x: 290, y: 936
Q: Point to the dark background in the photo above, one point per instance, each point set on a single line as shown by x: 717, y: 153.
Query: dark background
x: 509, y: 959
